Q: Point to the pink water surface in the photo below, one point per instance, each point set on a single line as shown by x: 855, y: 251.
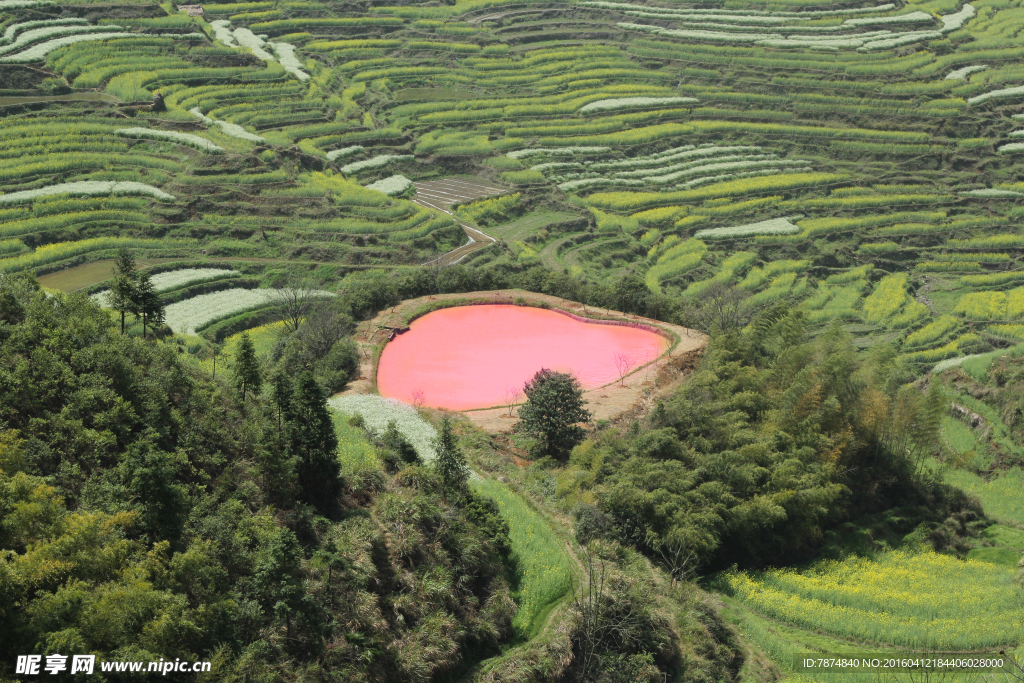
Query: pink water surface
x: 468, y: 357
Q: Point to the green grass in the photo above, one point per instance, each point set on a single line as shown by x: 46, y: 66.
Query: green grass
x: 354, y: 451
x: 958, y: 437
x: 1008, y: 536
x: 1001, y: 496
x: 544, y: 576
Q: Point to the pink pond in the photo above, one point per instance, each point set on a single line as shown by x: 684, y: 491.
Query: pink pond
x: 471, y: 356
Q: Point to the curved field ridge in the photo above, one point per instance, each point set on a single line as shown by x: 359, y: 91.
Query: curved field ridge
x: 87, y: 188
x: 470, y: 356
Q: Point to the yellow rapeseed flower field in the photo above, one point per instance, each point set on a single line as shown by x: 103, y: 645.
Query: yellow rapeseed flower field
x: 901, y: 598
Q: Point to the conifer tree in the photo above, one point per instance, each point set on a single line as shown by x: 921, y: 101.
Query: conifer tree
x: 450, y: 462
x: 312, y: 440
x: 123, y: 288
x: 247, y: 369
x: 147, y: 304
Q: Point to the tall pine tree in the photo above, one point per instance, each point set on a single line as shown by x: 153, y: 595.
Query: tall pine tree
x: 312, y: 440
x: 147, y: 303
x: 450, y: 462
x: 124, y: 285
x: 247, y: 369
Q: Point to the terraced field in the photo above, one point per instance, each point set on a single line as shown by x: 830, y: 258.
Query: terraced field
x: 856, y: 160
x: 860, y: 140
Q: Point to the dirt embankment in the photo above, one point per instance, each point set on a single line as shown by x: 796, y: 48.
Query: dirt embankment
x: 616, y: 401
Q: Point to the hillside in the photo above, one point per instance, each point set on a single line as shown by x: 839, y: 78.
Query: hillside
x: 214, y: 217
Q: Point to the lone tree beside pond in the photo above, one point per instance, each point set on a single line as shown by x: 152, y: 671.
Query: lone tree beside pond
x: 553, y: 412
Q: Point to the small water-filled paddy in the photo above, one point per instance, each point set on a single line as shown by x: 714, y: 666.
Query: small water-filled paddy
x: 471, y: 356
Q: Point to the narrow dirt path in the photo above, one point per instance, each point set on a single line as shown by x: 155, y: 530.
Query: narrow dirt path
x: 440, y: 195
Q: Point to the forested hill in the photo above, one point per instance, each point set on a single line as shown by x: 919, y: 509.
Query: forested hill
x: 147, y: 512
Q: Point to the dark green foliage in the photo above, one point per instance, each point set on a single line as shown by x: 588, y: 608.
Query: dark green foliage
x: 144, y: 515
x: 146, y: 303
x: 311, y: 439
x: 247, y: 373
x: 750, y: 461
x: 397, y: 452
x: 450, y: 463
x: 152, y: 478
x: 123, y: 285
x: 321, y: 345
x: 553, y: 411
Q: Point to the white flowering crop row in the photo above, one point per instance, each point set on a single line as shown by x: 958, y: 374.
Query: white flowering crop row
x: 991, y: 192
x: 687, y: 152
x: 648, y: 173
x: 864, y: 42
x: 39, y: 51
x: 997, y: 94
x: 962, y: 74
x: 18, y: 4
x: 392, y: 186
x: 171, y: 279
x: 185, y: 317
x: 243, y: 37
x: 725, y: 18
x: 15, y: 29
x: 560, y: 151
x: 911, y: 18
x: 186, y: 276
x: 596, y: 182
x: 286, y: 56
x: 900, y: 39
x: 649, y: 163
x: 633, y: 102
x: 952, y: 22
x: 808, y: 14
x: 714, y: 36
x: 37, y: 34
x: 1012, y: 147
x: 344, y: 152
x: 222, y: 33
x: 944, y: 365
x: 194, y: 141
x: 374, y: 162
x: 377, y: 412
x: 553, y: 165
x: 86, y: 188
x: 247, y: 38
x: 775, y: 226
x: 229, y: 129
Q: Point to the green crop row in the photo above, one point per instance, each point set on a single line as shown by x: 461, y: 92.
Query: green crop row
x: 64, y: 221
x: 932, y: 332
x: 51, y: 253
x: 993, y: 279
x: 635, y: 201
x: 59, y: 164
x: 307, y: 23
